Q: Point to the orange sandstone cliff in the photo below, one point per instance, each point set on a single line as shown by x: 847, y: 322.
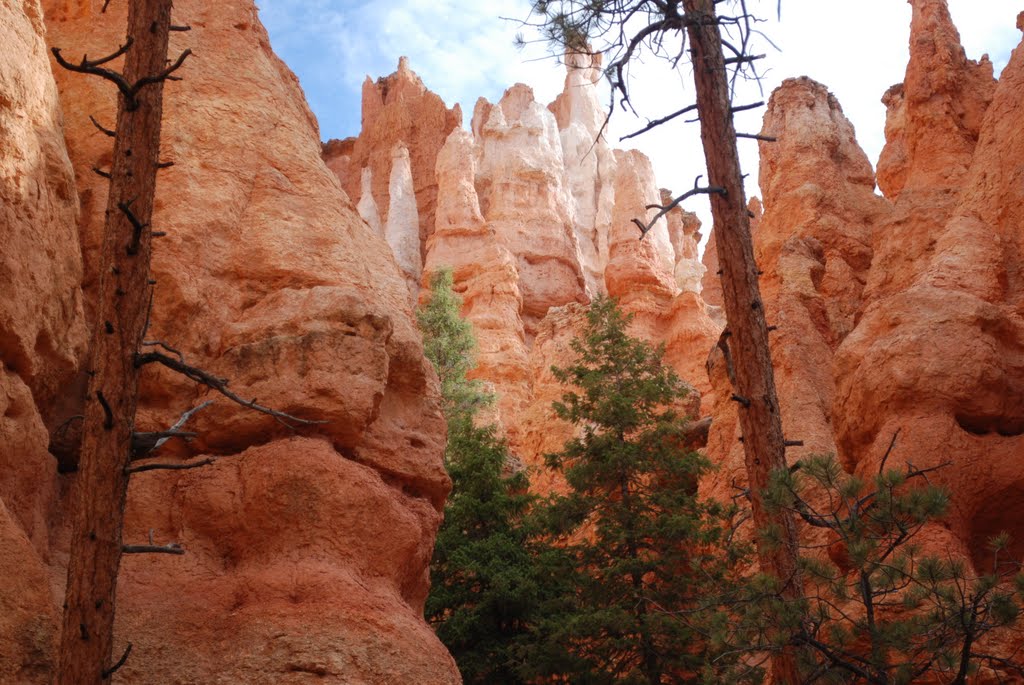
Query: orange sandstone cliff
x: 892, y: 310
x: 941, y: 358
x: 291, y: 267
x: 533, y: 214
x: 42, y: 338
x: 307, y: 553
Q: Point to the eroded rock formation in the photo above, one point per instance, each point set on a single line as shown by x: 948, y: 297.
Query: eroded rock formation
x: 267, y: 276
x: 396, y: 110
x: 813, y: 245
x: 42, y: 337
x: 485, y: 272
x: 942, y: 359
x: 534, y: 213
x: 895, y: 313
x: 521, y: 182
x: 933, y: 121
x: 900, y: 316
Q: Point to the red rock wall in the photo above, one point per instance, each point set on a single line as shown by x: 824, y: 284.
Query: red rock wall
x: 307, y: 553
x: 900, y: 315
x: 942, y: 359
x: 532, y: 215
x: 932, y: 126
x: 397, y: 109
x: 813, y: 245
x: 42, y: 338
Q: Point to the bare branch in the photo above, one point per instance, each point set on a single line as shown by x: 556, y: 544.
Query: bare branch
x: 161, y: 343
x: 659, y: 122
x: 109, y: 58
x: 743, y: 108
x: 151, y: 441
x: 183, y: 419
x: 665, y: 209
x: 220, y: 385
x: 164, y: 75
x: 144, y: 443
x: 743, y: 59
x: 169, y: 548
x: 183, y: 466
x: 757, y: 136
x: 108, y: 415
x: 92, y: 67
x: 137, y: 226
x: 105, y: 131
x: 741, y: 400
x: 885, y: 457
x: 107, y: 672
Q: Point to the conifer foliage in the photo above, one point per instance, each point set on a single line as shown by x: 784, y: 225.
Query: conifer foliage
x: 878, y: 609
x: 630, y: 523
x: 484, y: 587
x: 628, y: 577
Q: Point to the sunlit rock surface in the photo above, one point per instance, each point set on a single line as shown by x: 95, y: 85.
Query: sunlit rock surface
x: 290, y: 267
x: 308, y: 552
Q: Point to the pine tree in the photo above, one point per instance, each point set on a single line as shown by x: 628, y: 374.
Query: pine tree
x: 631, y: 522
x: 485, y: 586
x: 879, y: 610
x: 123, y: 299
x: 629, y: 32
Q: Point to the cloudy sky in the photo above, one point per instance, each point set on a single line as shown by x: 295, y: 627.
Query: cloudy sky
x: 463, y: 49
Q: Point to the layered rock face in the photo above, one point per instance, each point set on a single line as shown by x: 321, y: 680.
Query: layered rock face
x: 942, y: 360
x: 398, y: 111
x: 814, y: 246
x: 933, y: 121
x: 899, y: 315
x: 267, y: 276
x: 533, y: 214
x: 308, y: 550
x: 42, y: 336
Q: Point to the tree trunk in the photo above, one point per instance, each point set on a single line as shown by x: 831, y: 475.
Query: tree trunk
x: 124, y: 297
x: 763, y: 442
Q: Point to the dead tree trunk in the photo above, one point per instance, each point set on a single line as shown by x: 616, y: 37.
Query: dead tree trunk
x: 122, y: 310
x: 763, y: 442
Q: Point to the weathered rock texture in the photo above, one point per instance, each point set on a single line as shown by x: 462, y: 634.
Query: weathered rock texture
x: 403, y: 223
x: 521, y: 182
x: 397, y: 110
x: 486, y: 274
x: 933, y: 122
x: 42, y: 335
x: 813, y: 244
x: 900, y: 315
x: 533, y: 214
x: 942, y: 358
x: 711, y: 281
x: 589, y: 162
x: 307, y: 553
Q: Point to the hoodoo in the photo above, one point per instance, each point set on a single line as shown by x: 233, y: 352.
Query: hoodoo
x: 292, y: 267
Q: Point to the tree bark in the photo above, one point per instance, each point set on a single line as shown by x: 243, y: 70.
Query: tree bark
x: 122, y: 310
x: 763, y: 442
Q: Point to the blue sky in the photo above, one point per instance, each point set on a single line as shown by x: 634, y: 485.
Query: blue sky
x: 463, y: 49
